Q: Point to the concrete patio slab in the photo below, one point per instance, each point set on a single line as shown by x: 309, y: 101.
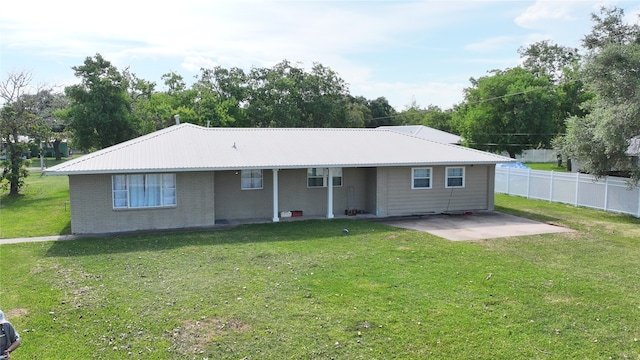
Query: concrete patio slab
x: 475, y: 226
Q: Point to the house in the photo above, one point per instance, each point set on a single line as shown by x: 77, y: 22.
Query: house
x: 187, y: 176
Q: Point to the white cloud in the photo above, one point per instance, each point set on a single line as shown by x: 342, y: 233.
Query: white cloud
x: 491, y: 44
x: 542, y: 12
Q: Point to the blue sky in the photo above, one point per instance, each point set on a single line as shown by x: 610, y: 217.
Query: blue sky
x: 407, y: 51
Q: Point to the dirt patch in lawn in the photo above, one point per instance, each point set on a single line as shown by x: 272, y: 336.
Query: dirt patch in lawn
x: 194, y: 336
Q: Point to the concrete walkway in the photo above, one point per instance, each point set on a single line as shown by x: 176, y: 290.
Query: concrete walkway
x: 39, y: 238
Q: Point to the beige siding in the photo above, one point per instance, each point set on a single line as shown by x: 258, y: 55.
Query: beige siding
x: 370, y: 188
x: 402, y: 200
x: 92, y: 207
x: 382, y: 190
x: 491, y: 184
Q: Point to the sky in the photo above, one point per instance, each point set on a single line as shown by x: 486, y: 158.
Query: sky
x: 410, y: 52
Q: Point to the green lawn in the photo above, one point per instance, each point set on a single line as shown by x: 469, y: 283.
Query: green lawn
x: 306, y: 290
x: 547, y: 166
x: 41, y: 209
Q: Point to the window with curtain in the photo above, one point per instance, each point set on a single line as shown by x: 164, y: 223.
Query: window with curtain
x: 318, y: 177
x: 251, y: 179
x: 455, y: 177
x: 421, y: 178
x: 143, y: 190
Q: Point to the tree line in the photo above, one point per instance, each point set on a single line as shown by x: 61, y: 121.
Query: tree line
x: 585, y: 105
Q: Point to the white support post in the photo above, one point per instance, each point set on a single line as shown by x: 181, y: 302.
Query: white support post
x: 275, y: 195
x: 508, y: 181
x: 330, y: 194
x: 551, y: 187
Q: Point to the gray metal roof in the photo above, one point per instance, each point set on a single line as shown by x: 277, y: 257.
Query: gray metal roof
x: 426, y: 132
x: 189, y: 147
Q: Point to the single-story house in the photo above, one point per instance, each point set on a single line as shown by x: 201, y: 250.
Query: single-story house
x: 188, y: 176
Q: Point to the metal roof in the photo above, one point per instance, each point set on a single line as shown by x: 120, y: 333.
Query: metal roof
x: 188, y: 147
x: 426, y: 132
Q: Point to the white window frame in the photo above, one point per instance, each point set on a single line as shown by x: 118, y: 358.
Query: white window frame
x: 414, y: 178
x: 255, y: 182
x: 448, y: 177
x: 323, y: 173
x: 122, y: 191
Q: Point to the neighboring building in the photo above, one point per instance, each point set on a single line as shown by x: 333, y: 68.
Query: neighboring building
x: 187, y: 176
x: 426, y: 132
x: 634, y: 150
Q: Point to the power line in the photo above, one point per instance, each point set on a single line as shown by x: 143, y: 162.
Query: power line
x: 471, y: 103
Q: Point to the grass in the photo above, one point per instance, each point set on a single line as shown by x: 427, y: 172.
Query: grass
x: 51, y: 161
x: 41, y: 209
x: 547, y: 166
x: 305, y: 290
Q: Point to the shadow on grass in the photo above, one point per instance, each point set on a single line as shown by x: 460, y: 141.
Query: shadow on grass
x: 528, y: 214
x: 241, y: 234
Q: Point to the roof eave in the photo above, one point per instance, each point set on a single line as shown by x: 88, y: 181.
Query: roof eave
x: 273, y: 166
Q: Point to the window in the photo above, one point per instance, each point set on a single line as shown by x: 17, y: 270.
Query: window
x: 143, y: 190
x: 455, y: 177
x: 251, y: 179
x: 421, y: 178
x: 317, y: 177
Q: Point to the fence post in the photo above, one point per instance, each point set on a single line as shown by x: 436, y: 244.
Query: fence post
x: 577, y: 187
x: 637, y: 188
x: 551, y: 188
x: 606, y: 192
x: 508, y: 181
x: 528, y: 182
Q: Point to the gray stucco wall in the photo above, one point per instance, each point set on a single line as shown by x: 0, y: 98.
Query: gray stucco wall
x: 293, y: 194
x: 92, y: 210
x: 203, y: 197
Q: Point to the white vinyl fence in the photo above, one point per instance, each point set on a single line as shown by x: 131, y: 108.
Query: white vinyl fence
x: 609, y: 194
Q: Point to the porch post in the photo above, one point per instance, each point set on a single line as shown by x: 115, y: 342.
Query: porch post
x: 330, y: 195
x: 275, y: 195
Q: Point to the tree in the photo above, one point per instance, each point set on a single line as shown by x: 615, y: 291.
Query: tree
x: 288, y: 96
x: 601, y: 137
x: 218, y: 94
x: 436, y: 118
x: 17, y: 121
x: 100, y: 114
x: 550, y: 60
x: 49, y: 106
x: 559, y: 64
x: 510, y: 110
x: 382, y: 113
x: 610, y: 29
x: 374, y: 113
x: 411, y: 115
